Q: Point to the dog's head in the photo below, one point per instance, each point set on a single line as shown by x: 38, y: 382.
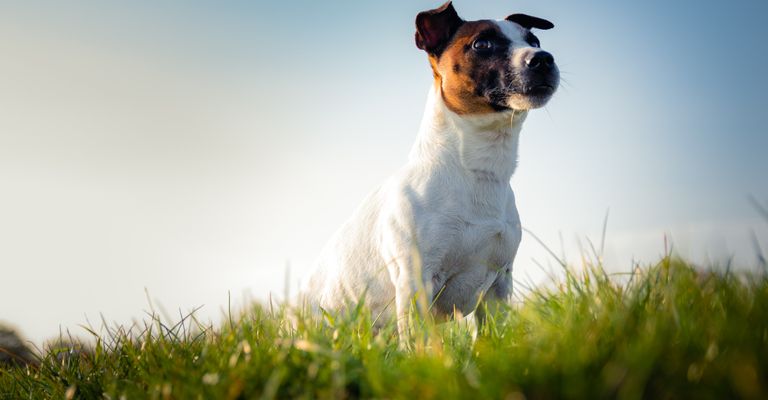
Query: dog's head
x: 487, y: 66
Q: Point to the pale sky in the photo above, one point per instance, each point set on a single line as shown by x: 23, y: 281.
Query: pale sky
x: 196, y: 148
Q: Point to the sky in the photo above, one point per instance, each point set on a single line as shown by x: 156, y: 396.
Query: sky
x: 190, y: 152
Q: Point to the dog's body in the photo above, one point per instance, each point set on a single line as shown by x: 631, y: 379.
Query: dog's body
x: 445, y: 229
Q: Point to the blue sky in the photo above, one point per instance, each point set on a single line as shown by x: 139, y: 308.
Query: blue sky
x: 194, y: 148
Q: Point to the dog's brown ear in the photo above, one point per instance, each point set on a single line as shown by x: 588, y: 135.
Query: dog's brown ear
x: 528, y: 22
x: 434, y: 28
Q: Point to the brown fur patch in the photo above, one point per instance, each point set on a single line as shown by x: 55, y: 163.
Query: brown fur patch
x: 466, y: 79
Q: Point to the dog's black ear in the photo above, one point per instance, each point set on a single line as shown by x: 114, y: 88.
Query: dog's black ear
x: 434, y: 28
x: 528, y: 22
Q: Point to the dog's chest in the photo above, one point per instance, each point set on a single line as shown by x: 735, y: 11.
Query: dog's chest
x: 480, y: 251
x: 489, y: 242
x: 481, y: 231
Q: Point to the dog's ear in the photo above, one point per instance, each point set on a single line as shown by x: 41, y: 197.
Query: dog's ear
x: 528, y: 22
x: 434, y: 28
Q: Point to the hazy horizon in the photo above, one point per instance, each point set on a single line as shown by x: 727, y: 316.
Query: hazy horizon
x: 195, y: 149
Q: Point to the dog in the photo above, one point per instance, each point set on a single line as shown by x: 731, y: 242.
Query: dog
x: 442, y: 233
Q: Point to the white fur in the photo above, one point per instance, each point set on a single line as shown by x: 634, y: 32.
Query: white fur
x: 514, y: 32
x: 445, y: 224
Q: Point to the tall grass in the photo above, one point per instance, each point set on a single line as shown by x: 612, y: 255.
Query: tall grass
x: 667, y: 331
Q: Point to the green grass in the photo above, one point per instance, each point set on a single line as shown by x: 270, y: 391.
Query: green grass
x: 668, y: 331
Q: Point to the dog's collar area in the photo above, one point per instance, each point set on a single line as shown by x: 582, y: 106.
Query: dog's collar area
x: 501, y: 123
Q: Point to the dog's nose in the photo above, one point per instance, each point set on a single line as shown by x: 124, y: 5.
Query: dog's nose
x: 540, y: 60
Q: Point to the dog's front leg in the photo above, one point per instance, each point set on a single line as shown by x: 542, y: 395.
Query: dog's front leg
x: 496, y: 299
x: 411, y: 300
x: 413, y: 251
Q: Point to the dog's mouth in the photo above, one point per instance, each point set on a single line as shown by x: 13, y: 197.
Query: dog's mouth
x: 540, y: 90
x: 533, y: 96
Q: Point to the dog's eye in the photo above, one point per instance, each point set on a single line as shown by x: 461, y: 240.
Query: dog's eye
x: 482, y: 45
x: 532, y: 40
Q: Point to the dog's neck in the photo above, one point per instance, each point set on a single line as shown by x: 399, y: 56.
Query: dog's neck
x: 483, y: 146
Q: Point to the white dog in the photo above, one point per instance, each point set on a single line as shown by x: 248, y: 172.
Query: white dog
x: 444, y: 230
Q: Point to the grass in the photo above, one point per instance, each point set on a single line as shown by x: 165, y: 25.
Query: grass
x: 668, y: 331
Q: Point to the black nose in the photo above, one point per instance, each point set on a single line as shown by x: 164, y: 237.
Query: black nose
x: 540, y: 60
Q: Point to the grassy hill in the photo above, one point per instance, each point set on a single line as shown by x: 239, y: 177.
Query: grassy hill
x: 668, y: 331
